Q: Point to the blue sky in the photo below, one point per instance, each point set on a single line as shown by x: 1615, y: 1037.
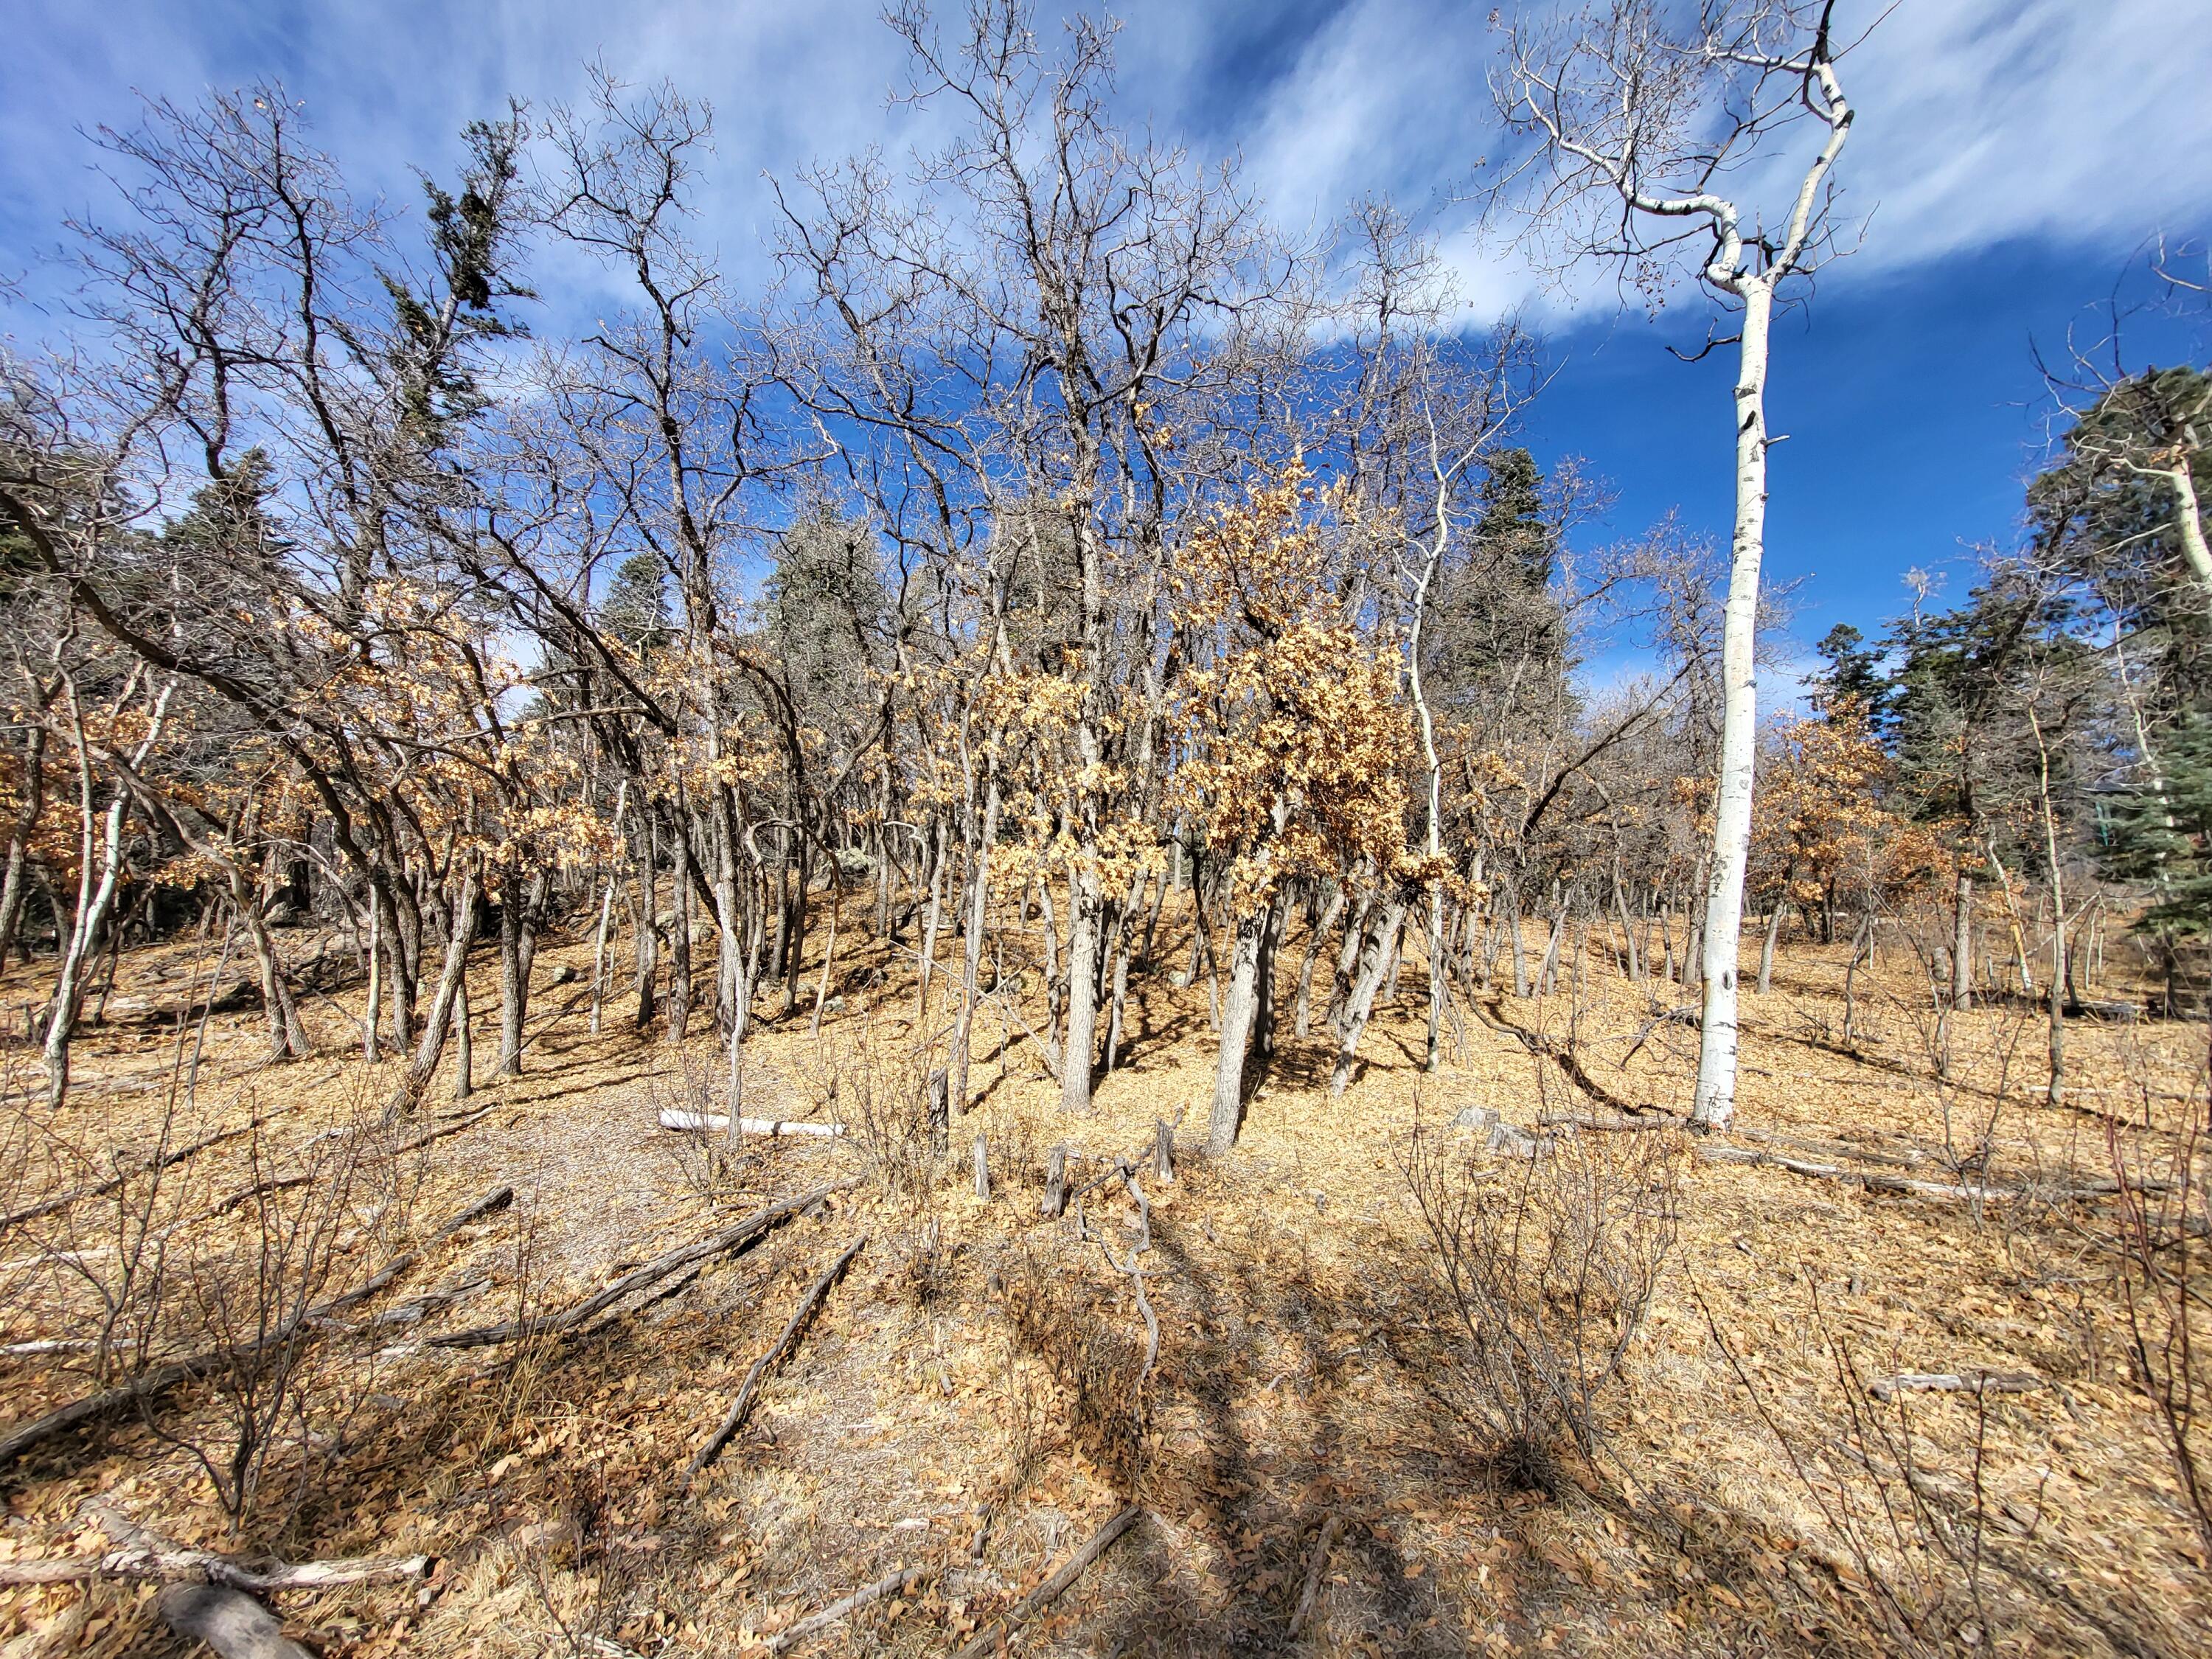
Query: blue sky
x: 2013, y: 155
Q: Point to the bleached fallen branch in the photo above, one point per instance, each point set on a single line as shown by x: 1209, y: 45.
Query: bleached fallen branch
x: 734, y: 1419
x: 896, y: 1583
x: 1870, y: 1179
x: 716, y: 1122
x: 207, y: 1595
x: 1886, y: 1389
x: 1874, y: 1180
x: 169, y: 1564
x: 734, y: 1237
x: 988, y: 1639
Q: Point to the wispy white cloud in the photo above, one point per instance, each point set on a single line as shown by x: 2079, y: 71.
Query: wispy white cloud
x: 1981, y: 121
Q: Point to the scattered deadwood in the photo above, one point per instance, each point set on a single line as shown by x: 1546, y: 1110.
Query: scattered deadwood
x: 988, y: 1639
x: 1912, y: 1160
x: 415, y: 1143
x: 740, y: 1408
x: 732, y: 1238
x: 1687, y: 1014
x: 896, y: 1584
x: 1491, y: 1012
x: 1314, y: 1568
x: 716, y: 1122
x: 100, y: 1189
x: 301, y: 1178
x: 144, y: 1009
x: 142, y: 1390
x: 1596, y: 1124
x: 1886, y: 1389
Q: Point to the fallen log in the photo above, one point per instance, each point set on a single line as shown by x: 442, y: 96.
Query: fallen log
x: 142, y: 1390
x: 896, y: 1583
x: 716, y: 1122
x: 987, y: 1640
x: 734, y: 1419
x: 1887, y: 1389
x: 1874, y: 1180
x: 732, y: 1238
x: 1329, y: 1529
x: 1867, y: 1178
x: 230, y: 1622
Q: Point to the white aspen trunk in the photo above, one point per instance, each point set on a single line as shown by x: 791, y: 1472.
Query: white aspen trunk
x: 971, y: 961
x: 935, y: 915
x: 2190, y: 521
x: 599, y: 953
x: 93, y: 904
x: 1718, y: 1032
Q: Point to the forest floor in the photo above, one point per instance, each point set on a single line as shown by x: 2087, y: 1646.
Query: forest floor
x: 971, y: 1400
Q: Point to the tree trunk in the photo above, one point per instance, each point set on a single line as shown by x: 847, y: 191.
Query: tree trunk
x: 1718, y: 1034
x: 450, y: 977
x: 372, y: 1015
x: 679, y: 933
x: 1123, y: 928
x: 1962, y: 943
x: 513, y: 980
x: 464, y: 1046
x: 15, y: 886
x: 1238, y: 1011
x: 1376, y: 954
x: 928, y: 965
x: 599, y: 953
x: 1080, y: 1052
x: 1319, y: 935
x: 971, y: 959
x: 1263, y: 1025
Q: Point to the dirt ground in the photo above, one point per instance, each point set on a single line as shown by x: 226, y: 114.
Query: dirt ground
x: 971, y: 1400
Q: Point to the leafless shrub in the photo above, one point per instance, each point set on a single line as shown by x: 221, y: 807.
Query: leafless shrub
x: 244, y: 1288
x: 890, y: 1098
x: 717, y: 1170
x: 1547, y: 1265
x: 1917, y: 1522
x: 2165, y: 1287
x: 518, y: 1383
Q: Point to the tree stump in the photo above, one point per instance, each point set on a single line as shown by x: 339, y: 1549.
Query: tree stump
x: 1056, y: 1182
